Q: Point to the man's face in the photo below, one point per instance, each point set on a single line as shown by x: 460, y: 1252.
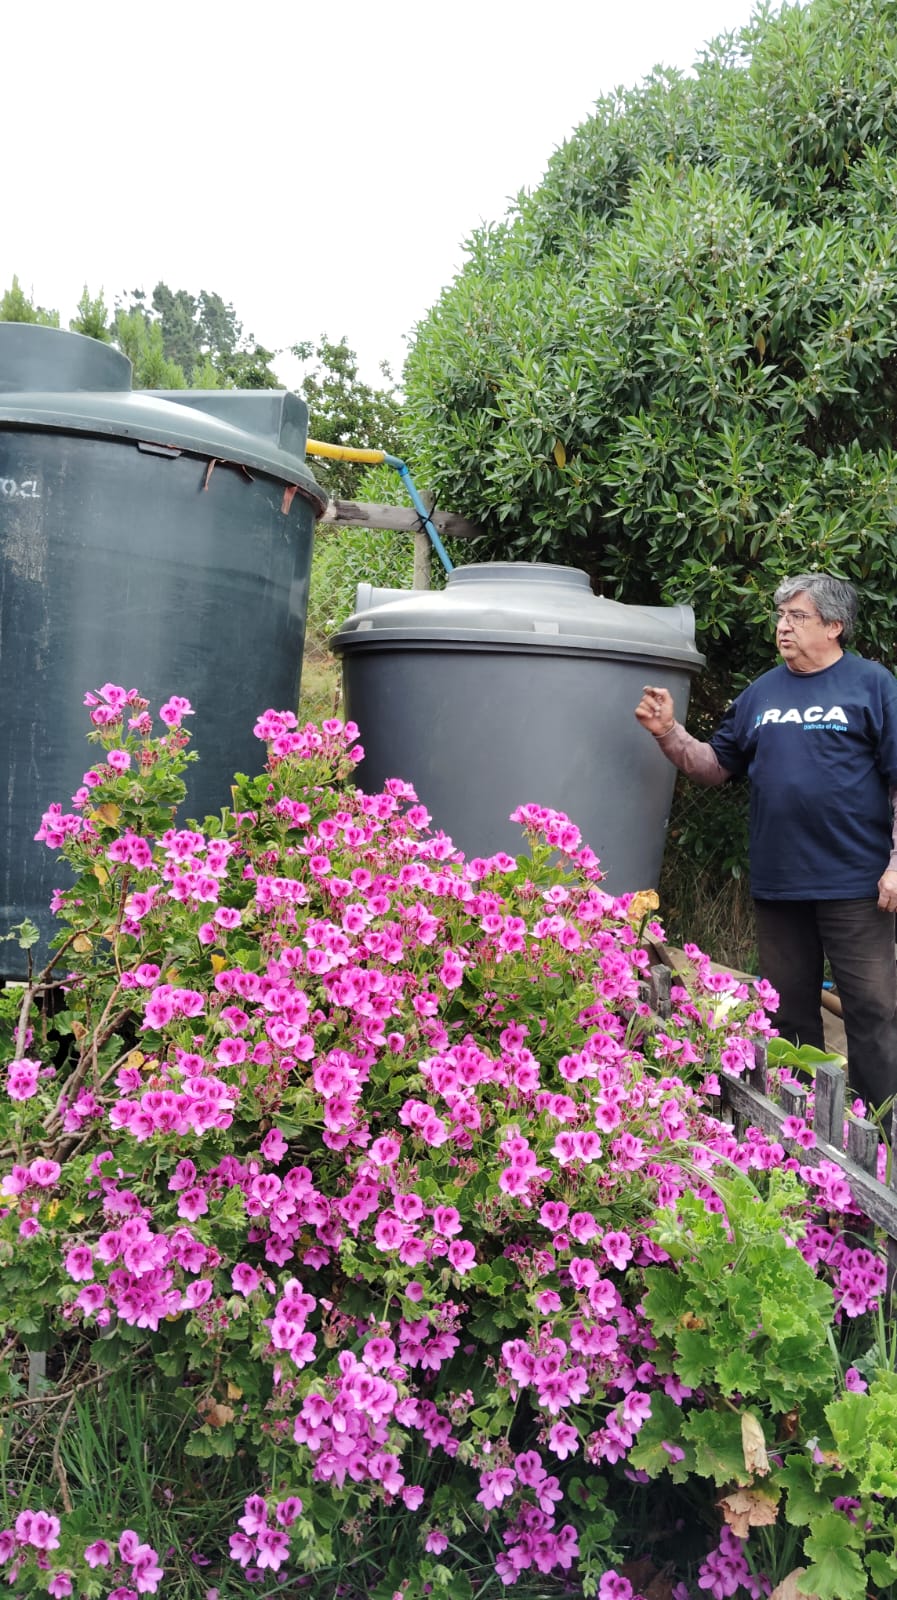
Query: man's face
x: 804, y: 641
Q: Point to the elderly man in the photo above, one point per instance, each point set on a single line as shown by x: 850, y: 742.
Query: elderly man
x: 817, y: 739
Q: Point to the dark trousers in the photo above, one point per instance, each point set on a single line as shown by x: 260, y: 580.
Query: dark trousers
x: 794, y: 937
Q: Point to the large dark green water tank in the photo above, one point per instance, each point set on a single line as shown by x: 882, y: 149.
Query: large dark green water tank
x: 159, y: 541
x: 516, y: 684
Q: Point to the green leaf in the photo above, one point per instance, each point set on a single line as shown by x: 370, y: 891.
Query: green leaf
x: 882, y: 1567
x: 716, y: 1439
x: 837, y: 1575
x: 849, y: 1419
x: 200, y: 1444
x: 806, y: 1498
x: 25, y: 934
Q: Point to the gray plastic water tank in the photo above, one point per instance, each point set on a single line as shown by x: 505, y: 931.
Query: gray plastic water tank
x: 159, y: 541
x: 516, y: 684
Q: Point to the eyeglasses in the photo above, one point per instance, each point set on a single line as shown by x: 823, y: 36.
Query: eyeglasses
x: 798, y: 619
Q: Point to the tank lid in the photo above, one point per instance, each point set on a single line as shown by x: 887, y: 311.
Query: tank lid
x: 524, y: 604
x: 67, y: 383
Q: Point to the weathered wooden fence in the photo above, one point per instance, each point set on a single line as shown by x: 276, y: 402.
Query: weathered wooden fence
x: 748, y: 1103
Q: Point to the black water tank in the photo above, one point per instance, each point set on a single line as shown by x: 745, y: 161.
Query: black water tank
x: 516, y: 684
x: 158, y: 541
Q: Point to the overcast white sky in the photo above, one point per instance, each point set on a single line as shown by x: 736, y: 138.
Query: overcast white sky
x: 318, y: 166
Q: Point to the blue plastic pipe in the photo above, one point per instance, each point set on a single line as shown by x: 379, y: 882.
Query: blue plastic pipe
x: 420, y: 508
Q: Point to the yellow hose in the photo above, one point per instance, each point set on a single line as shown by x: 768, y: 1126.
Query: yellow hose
x: 345, y: 452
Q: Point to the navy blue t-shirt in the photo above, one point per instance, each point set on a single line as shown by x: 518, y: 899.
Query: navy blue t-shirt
x: 820, y: 750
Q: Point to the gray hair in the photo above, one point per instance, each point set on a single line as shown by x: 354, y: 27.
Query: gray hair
x: 834, y: 598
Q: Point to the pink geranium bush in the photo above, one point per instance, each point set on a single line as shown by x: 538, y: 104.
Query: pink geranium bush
x: 379, y: 1168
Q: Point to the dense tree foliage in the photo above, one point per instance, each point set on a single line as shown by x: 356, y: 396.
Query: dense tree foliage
x: 675, y: 363
x: 202, y: 336
x: 344, y: 410
x: 16, y: 306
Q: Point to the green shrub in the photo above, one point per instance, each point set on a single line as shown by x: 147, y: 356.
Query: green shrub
x: 676, y: 364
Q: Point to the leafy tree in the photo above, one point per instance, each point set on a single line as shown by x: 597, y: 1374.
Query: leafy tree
x: 15, y: 306
x: 249, y: 367
x: 141, y: 341
x: 176, y: 313
x: 92, y: 317
x: 344, y: 410
x: 675, y: 364
x: 198, y: 337
x: 219, y: 330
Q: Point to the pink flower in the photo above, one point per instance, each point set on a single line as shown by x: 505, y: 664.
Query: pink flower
x: 547, y: 1302
x: 435, y: 1542
x: 462, y: 1255
x: 60, y: 1585
x: 98, y: 1554
x: 286, y: 1511
x: 44, y: 1173
x: 451, y: 973
x: 174, y: 710
x: 146, y: 1573
x: 387, y: 1468
x: 22, y: 1078
x: 447, y: 1220
x: 41, y: 1530
x: 274, y: 1145
x: 255, y: 1513
x: 79, y: 1263
x: 553, y: 1215
x: 245, y: 1279
x: 583, y: 1226
x: 613, y: 1586
x: 192, y: 1204
x: 386, y: 1150
x: 242, y: 1548
x: 563, y: 1440
x: 618, y: 1249
x: 272, y: 1548
x: 497, y: 1486
x: 128, y: 1545
x: 197, y: 1293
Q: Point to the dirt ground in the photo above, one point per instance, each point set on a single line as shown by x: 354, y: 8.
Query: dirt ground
x: 835, y: 1037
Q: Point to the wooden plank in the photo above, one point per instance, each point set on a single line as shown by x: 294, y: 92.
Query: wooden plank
x: 660, y: 981
x: 793, y: 1100
x: 828, y: 1119
x: 398, y: 519
x: 758, y: 1073
x: 862, y: 1144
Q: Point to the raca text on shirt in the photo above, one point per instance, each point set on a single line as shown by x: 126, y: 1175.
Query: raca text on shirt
x: 820, y: 826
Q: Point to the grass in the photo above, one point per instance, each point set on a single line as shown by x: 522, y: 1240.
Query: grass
x: 112, y: 1448
x: 718, y: 916
x: 320, y: 694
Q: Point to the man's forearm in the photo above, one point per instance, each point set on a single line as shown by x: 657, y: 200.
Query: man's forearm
x: 698, y: 761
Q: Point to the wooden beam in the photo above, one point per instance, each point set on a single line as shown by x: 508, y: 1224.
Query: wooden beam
x: 401, y: 519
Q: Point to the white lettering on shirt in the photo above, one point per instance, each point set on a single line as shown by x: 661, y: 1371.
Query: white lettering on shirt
x: 813, y: 714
